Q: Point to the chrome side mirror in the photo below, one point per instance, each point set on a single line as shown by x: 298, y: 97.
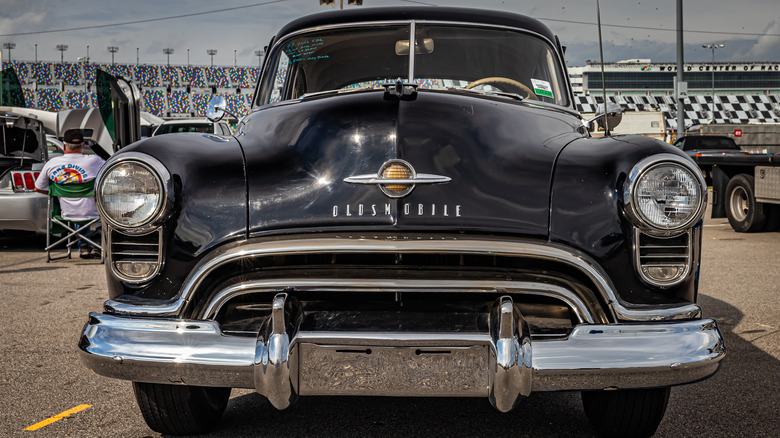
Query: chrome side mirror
x: 216, y: 108
x: 613, y: 116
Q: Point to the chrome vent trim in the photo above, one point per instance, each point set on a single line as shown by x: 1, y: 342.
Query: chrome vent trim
x: 143, y: 249
x: 663, y: 252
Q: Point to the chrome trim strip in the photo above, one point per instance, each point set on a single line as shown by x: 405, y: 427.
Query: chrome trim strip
x: 593, y: 357
x: 583, y: 312
x: 548, y: 251
x: 421, y: 178
x: 412, y: 43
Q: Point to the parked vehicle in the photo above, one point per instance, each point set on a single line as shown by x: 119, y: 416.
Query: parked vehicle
x: 22, y: 154
x: 709, y: 145
x: 413, y: 207
x: 54, y: 146
x: 753, y: 138
x: 746, y: 190
x: 192, y: 125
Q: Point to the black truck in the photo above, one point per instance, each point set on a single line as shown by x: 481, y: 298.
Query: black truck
x: 746, y: 189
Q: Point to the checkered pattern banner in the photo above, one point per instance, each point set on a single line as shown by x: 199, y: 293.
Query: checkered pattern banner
x: 736, y: 109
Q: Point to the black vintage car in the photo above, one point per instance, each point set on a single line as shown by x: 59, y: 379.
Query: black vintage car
x: 413, y: 207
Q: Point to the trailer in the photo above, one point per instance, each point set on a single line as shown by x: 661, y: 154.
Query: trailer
x: 746, y: 190
x: 647, y: 123
x: 754, y: 138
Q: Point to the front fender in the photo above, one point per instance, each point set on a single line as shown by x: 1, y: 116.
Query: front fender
x: 587, y: 211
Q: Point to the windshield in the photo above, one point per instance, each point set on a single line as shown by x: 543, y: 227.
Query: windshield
x: 20, y: 138
x: 444, y: 57
x: 710, y: 143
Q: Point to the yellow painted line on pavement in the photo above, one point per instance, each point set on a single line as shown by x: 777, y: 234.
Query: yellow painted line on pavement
x: 58, y: 417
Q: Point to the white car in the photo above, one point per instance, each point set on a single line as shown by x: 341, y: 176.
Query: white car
x: 193, y: 125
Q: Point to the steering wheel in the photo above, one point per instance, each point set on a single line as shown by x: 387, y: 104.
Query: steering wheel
x: 502, y: 80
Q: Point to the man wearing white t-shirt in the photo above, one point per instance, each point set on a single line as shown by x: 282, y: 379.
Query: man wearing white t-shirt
x: 74, y: 167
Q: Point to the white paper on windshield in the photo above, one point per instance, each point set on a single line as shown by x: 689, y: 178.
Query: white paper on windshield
x: 542, y: 88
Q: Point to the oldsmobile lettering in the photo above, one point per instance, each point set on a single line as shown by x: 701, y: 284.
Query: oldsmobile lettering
x: 432, y: 210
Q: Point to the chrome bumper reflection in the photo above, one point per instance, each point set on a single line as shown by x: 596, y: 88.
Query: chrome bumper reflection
x: 504, y: 364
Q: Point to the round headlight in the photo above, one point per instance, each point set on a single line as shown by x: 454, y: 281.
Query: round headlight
x: 130, y: 194
x: 668, y: 196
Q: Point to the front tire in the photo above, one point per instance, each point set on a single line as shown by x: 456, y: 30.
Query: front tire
x: 626, y: 413
x: 179, y: 409
x: 744, y: 213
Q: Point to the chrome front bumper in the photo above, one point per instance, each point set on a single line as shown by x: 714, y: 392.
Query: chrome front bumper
x: 504, y: 364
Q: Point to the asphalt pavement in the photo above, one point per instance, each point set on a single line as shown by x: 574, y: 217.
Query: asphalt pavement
x: 44, y: 306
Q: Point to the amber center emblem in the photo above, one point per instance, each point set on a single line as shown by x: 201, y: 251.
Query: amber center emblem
x: 397, y: 178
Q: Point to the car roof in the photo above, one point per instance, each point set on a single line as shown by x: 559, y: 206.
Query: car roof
x: 186, y: 121
x: 441, y: 14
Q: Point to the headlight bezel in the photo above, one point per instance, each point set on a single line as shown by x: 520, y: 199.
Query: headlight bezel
x: 164, y: 183
x: 641, y: 169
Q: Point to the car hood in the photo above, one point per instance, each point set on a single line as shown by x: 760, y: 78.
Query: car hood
x: 497, y: 152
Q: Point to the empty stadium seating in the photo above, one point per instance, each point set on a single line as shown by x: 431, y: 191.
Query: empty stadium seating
x: 165, y: 90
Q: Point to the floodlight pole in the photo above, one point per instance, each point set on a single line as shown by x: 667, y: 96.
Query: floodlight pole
x: 341, y: 3
x: 62, y: 48
x: 211, y: 52
x: 168, y: 52
x: 713, y: 47
x: 9, y: 46
x: 680, y: 105
x: 113, y: 49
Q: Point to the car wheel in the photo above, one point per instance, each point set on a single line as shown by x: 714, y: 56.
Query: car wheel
x: 180, y: 409
x: 744, y: 213
x: 625, y: 413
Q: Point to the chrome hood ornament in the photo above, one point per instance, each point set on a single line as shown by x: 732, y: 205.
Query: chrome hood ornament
x: 397, y: 178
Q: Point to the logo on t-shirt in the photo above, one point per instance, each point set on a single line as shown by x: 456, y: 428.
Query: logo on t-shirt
x: 69, y: 174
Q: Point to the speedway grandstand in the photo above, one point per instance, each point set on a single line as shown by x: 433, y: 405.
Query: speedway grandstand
x: 184, y: 90
x: 166, y: 90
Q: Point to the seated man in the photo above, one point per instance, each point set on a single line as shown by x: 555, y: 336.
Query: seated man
x: 73, y: 167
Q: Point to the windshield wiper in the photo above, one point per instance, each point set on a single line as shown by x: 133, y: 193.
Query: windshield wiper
x: 335, y: 91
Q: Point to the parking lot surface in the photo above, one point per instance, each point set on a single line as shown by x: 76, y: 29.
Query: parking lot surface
x: 44, y: 386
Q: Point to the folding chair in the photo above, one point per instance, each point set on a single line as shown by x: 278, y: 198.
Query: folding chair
x: 75, y: 230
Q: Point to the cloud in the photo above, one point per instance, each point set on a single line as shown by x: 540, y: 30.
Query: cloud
x: 21, y: 23
x: 767, y: 45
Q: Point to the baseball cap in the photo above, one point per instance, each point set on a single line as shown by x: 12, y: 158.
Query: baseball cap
x: 73, y: 136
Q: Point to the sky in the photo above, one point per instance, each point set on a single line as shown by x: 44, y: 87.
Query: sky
x: 631, y: 29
